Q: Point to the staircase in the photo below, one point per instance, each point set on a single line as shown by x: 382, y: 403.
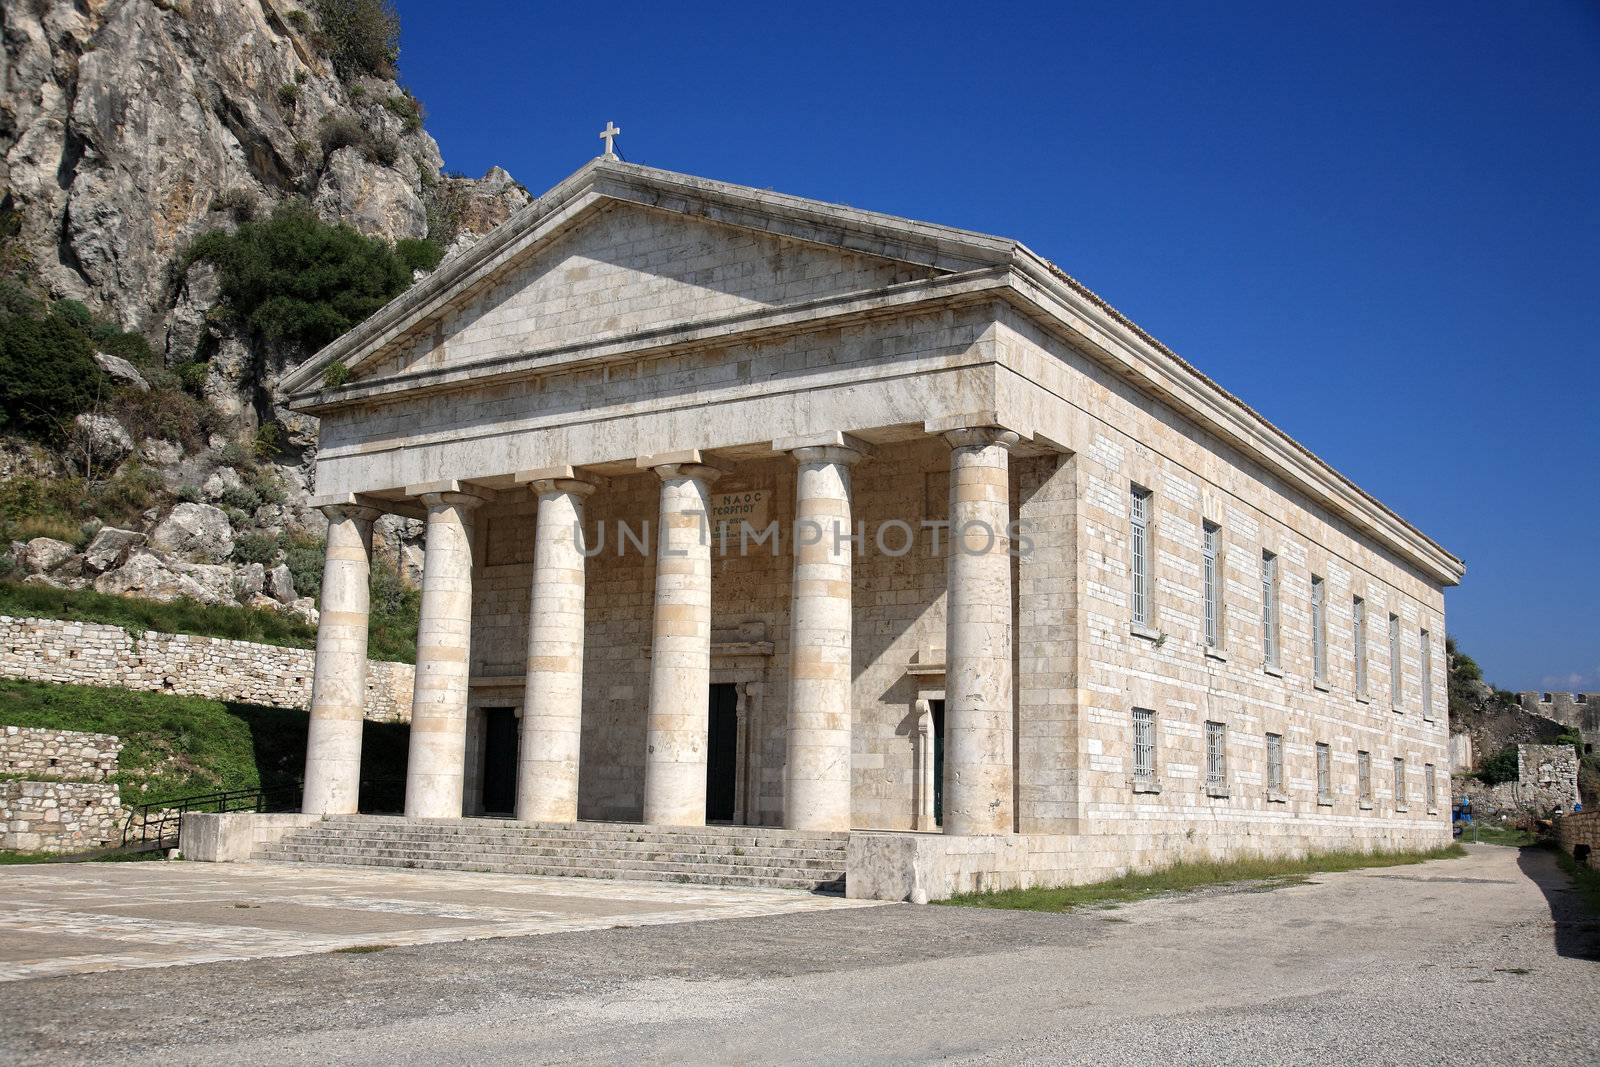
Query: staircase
x: 708, y: 855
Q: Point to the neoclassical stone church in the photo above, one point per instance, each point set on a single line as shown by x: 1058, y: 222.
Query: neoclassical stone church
x: 746, y: 508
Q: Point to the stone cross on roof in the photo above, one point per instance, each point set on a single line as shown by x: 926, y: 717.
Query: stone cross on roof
x: 607, y: 135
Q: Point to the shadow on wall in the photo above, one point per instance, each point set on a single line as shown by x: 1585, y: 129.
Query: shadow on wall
x: 1577, y: 930
x: 278, y: 740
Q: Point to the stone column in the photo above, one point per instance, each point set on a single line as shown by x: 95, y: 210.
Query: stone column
x: 977, y: 717
x: 339, y: 684
x: 816, y: 778
x: 436, y: 767
x: 552, y: 709
x: 680, y: 664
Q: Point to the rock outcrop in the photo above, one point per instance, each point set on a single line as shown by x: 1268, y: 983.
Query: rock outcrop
x: 128, y: 128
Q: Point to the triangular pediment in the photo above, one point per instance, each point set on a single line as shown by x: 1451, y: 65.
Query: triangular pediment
x: 618, y: 250
x: 627, y: 269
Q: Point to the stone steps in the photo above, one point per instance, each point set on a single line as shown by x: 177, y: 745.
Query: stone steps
x: 714, y: 855
x: 551, y: 845
x: 536, y: 853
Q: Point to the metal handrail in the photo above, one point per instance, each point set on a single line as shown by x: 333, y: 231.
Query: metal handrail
x: 156, y: 824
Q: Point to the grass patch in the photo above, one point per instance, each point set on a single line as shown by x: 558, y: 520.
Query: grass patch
x: 1487, y: 834
x: 175, y: 746
x: 261, y: 625
x: 11, y: 858
x: 391, y: 632
x: 1586, y: 880
x: 362, y: 950
x: 1186, y: 877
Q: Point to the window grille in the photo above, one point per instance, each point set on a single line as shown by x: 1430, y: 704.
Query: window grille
x: 1399, y: 782
x: 1396, y: 689
x: 1213, y: 586
x: 1144, y: 743
x: 1364, y: 776
x: 1269, y: 608
x: 1430, y: 786
x: 1427, y: 676
x: 1319, y: 628
x: 1359, y: 637
x: 1216, y: 755
x: 1139, y: 541
x: 1274, y: 763
x: 1324, y: 772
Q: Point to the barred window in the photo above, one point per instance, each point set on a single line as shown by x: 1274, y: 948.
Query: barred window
x: 1139, y: 550
x: 1364, y: 776
x: 1216, y: 756
x: 1144, y: 743
x: 1431, y: 787
x: 1396, y: 689
x: 1213, y: 585
x: 1319, y: 629
x: 1324, y: 772
x: 1269, y: 608
x: 1359, y: 638
x: 1274, y: 763
x: 1427, y: 676
x: 1399, y: 783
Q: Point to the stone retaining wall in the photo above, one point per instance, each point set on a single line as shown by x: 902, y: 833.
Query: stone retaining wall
x: 59, y: 816
x: 82, y: 653
x: 55, y: 754
x: 1582, y: 828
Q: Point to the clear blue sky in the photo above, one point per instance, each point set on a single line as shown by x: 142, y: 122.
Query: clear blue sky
x: 1379, y: 224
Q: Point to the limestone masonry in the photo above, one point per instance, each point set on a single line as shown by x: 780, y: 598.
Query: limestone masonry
x: 1020, y: 574
x: 63, y: 802
x: 81, y: 653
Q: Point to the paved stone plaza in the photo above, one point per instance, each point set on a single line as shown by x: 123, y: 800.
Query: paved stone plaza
x: 1476, y: 960
x: 65, y: 919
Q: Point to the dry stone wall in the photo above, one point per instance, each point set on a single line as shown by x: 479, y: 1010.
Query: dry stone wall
x: 81, y: 653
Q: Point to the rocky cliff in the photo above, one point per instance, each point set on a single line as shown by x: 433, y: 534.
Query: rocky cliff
x: 128, y: 129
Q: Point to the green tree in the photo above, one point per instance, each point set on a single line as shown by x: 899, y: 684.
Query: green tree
x: 296, y: 280
x: 47, y: 373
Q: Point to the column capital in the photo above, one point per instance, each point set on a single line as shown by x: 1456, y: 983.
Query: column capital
x: 830, y: 447
x: 978, y: 428
x: 700, y: 472
x: 559, y: 479
x: 981, y: 436
x: 358, y: 512
x: 448, y: 493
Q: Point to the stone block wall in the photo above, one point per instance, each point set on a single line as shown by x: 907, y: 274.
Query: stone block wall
x: 57, y: 754
x: 1547, y: 780
x: 1547, y: 777
x: 65, y: 803
x: 1582, y: 828
x: 59, y: 816
x: 82, y: 653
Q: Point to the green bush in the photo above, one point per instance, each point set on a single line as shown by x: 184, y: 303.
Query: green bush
x: 256, y: 548
x: 304, y: 557
x: 341, y: 131
x: 241, y: 498
x: 288, y: 95
x: 74, y: 312
x: 407, y: 108
x: 361, y: 37
x: 59, y: 507
x: 419, y: 253
x: 296, y: 280
x: 47, y: 371
x: 1500, y: 767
